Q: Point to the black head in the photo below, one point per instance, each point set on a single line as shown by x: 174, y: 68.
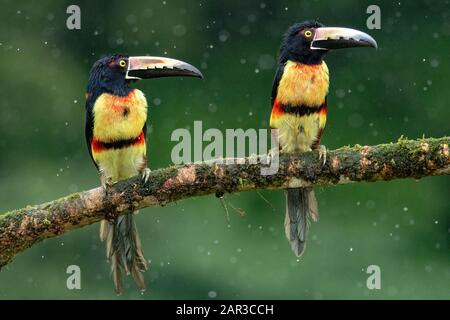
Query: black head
x: 296, y: 45
x: 109, y: 75
x: 307, y: 42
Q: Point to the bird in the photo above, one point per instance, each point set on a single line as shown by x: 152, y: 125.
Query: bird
x: 116, y: 120
x: 299, y: 108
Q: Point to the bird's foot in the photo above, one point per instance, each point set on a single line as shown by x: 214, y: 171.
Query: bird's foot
x: 106, y: 183
x: 145, y: 174
x: 323, y: 154
x: 273, y: 153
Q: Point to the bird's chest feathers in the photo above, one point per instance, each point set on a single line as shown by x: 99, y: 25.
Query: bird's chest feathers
x: 119, y: 118
x: 303, y: 85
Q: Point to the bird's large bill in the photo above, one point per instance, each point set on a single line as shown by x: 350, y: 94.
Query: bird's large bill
x: 326, y: 38
x: 147, y: 67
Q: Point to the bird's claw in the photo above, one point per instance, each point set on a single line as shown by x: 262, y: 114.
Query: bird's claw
x: 145, y: 175
x: 272, y: 153
x: 106, y: 183
x: 323, y: 154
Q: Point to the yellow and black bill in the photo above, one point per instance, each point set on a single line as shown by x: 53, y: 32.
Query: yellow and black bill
x: 327, y: 38
x: 147, y: 67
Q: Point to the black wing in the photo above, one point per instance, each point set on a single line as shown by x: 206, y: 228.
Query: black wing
x: 276, y: 82
x: 89, y: 130
x: 144, y: 129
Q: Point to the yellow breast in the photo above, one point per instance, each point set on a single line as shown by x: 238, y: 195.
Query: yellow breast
x: 303, y: 84
x: 119, y: 118
x: 298, y: 134
x: 118, y: 164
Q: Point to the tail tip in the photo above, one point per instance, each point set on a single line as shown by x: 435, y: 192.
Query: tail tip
x: 298, y: 248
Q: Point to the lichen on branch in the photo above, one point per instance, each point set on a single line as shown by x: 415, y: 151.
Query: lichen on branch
x: 20, y: 229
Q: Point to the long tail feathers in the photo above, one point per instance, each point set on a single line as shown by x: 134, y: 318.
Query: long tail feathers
x: 301, y: 207
x: 124, y: 250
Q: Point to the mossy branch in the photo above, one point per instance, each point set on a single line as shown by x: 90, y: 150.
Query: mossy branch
x: 20, y: 229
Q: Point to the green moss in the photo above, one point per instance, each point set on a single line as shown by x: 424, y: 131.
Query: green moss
x: 73, y: 196
x: 401, y: 156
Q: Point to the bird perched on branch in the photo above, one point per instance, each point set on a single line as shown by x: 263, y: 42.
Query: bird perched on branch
x: 116, y: 117
x: 299, y: 107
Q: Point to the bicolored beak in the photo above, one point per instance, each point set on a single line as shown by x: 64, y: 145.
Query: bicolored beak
x: 327, y: 38
x: 147, y: 67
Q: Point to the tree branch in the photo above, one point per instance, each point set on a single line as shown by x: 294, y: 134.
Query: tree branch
x: 20, y: 229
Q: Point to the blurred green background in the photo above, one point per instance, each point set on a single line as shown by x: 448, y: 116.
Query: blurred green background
x: 375, y: 97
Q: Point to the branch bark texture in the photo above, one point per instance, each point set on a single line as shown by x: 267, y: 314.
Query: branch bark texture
x: 20, y: 229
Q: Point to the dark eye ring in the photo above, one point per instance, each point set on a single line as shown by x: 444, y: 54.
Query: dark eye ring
x: 122, y: 63
x: 308, y: 33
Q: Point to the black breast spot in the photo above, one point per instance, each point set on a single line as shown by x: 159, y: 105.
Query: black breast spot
x: 125, y: 111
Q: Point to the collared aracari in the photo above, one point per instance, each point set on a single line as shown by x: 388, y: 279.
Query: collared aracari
x: 299, y: 108
x: 116, y: 117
